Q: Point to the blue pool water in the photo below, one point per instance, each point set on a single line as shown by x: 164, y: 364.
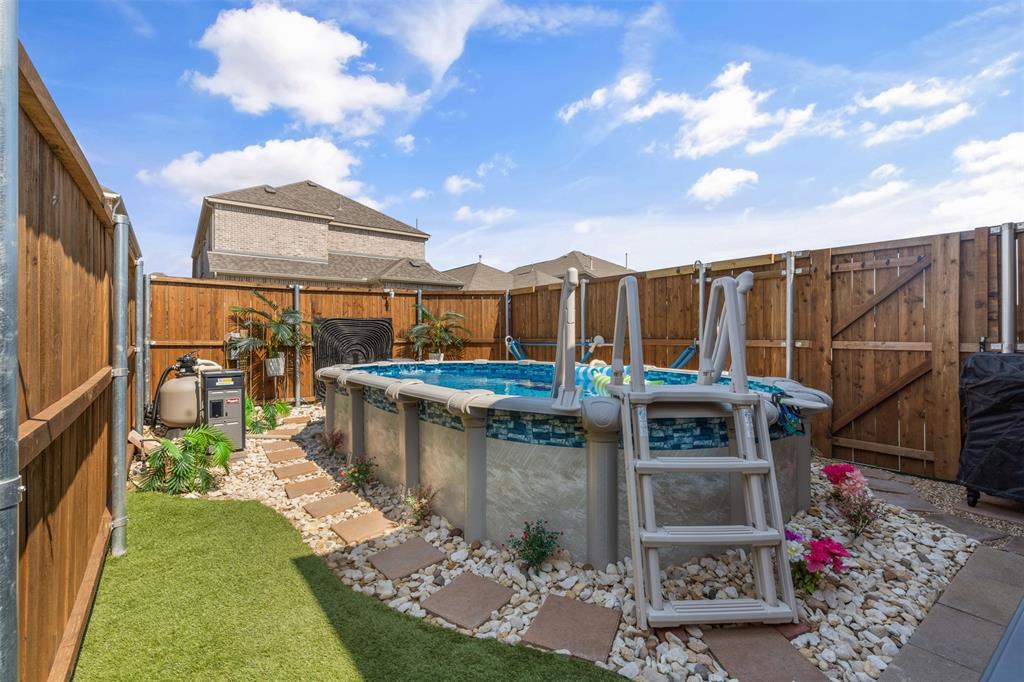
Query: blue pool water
x: 532, y: 380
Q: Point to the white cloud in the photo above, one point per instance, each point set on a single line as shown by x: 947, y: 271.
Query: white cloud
x: 435, y: 31
x: 406, y: 143
x: 898, y: 130
x: 268, y: 56
x: 499, y: 164
x: 989, y: 192
x: 979, y: 156
x: 458, y: 184
x: 726, y: 118
x: 420, y: 193
x: 886, y: 171
x: 931, y: 93
x: 871, y: 197
x: 721, y: 183
x: 626, y: 89
x: 483, y: 216
x: 276, y: 162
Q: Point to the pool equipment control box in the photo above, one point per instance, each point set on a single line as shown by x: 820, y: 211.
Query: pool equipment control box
x: 224, y: 403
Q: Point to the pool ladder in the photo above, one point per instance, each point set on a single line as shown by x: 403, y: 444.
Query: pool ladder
x: 765, y: 531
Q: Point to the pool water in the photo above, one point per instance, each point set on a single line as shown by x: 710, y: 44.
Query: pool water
x: 529, y: 380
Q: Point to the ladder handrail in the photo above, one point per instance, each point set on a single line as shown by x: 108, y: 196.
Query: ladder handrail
x: 563, y: 386
x: 725, y: 331
x: 627, y: 317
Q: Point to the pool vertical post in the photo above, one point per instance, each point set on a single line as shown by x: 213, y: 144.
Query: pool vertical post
x: 356, y: 433
x: 508, y: 319
x: 1008, y: 288
x: 601, y: 424
x: 790, y: 274
x: 409, y: 441
x: 476, y: 478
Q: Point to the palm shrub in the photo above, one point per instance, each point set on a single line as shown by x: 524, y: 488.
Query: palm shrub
x: 270, y: 329
x: 182, y: 465
x: 436, y: 333
x: 259, y: 419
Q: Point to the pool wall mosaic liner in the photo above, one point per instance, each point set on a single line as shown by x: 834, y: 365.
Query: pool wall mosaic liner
x: 376, y: 397
x: 536, y: 429
x: 436, y: 413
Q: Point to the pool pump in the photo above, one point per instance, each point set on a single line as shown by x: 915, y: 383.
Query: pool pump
x: 201, y: 392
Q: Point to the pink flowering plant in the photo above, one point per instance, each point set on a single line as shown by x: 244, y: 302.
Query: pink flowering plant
x: 811, y: 559
x: 852, y: 498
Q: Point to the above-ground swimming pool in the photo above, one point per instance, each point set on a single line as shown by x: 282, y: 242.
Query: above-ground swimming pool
x: 487, y: 438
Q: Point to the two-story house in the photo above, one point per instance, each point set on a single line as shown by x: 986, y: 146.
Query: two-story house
x: 306, y: 233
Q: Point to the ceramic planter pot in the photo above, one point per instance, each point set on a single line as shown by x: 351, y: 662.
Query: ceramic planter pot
x: 274, y: 367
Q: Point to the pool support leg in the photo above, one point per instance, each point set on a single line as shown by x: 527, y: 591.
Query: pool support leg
x: 356, y: 433
x: 476, y: 478
x: 601, y: 424
x: 409, y: 441
x: 330, y: 386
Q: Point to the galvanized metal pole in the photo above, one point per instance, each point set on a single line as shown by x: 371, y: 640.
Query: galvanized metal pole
x: 10, y: 479
x: 140, y: 341
x: 1008, y: 288
x: 419, y: 317
x: 298, y: 351
x: 119, y: 389
x: 583, y: 313
x: 701, y: 281
x: 790, y: 273
x: 147, y: 359
x: 508, y: 320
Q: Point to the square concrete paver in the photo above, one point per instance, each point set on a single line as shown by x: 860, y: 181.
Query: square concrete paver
x: 468, y: 600
x: 876, y: 473
x: 238, y: 456
x: 759, y: 653
x: 889, y: 486
x: 958, y: 636
x: 301, y: 419
x: 275, y: 445
x: 285, y: 454
x: 909, y: 502
x: 968, y: 528
x: 585, y: 630
x: 1015, y: 545
x: 363, y: 527
x: 992, y: 600
x: 313, y: 485
x: 335, y: 504
x: 281, y: 432
x: 987, y: 564
x: 913, y: 665
x: 297, y: 469
x: 407, y: 558
x: 994, y: 508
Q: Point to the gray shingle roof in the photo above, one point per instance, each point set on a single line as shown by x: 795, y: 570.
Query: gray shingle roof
x: 339, y: 267
x: 482, y: 277
x: 587, y: 265
x: 309, y: 197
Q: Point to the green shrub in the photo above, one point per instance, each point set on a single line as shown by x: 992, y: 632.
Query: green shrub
x: 420, y: 501
x: 358, y: 475
x: 183, y: 465
x: 260, y: 419
x: 535, y: 545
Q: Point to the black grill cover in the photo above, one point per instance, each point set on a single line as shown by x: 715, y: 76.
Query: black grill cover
x: 349, y: 341
x: 992, y: 400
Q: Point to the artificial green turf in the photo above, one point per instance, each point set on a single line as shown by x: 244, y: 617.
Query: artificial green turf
x: 226, y: 590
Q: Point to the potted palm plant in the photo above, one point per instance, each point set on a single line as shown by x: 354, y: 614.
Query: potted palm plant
x: 437, y: 333
x: 270, y: 330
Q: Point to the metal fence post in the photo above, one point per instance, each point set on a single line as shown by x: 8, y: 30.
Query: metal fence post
x: 140, y: 342
x: 298, y: 350
x: 119, y: 388
x: 10, y: 478
x: 508, y: 319
x: 147, y: 365
x: 790, y: 274
x: 419, y: 317
x: 1008, y: 288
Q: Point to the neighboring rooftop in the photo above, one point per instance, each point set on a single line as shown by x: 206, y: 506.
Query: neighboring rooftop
x: 483, y: 277
x: 339, y: 267
x: 587, y: 265
x: 309, y: 197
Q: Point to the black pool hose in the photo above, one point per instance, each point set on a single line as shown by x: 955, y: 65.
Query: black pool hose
x: 156, y: 396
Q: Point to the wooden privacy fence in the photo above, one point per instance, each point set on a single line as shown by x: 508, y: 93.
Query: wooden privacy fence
x: 882, y: 327
x: 193, y: 314
x: 64, y: 390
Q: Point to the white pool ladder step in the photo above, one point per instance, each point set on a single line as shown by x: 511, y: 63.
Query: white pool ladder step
x: 764, y: 531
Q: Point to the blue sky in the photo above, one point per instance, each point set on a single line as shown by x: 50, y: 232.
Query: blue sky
x: 518, y: 131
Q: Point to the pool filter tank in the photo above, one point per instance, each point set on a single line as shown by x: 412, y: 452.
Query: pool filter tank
x: 201, y: 392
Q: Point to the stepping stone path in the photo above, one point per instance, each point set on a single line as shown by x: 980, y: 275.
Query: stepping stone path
x: 295, y: 470
x: 759, y: 653
x: 282, y: 432
x: 313, y: 485
x: 407, y: 558
x: 584, y: 630
x: 285, y: 454
x: 362, y: 527
x: 274, y: 446
x: 302, y: 419
x: 468, y: 600
x: 335, y: 504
